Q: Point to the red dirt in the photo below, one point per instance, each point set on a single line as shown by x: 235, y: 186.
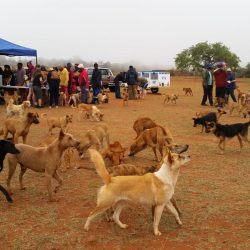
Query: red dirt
x: 212, y: 190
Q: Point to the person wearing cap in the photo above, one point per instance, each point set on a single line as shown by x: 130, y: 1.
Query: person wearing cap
x: 83, y: 81
x: 96, y: 82
x: 220, y: 77
x: 231, y: 85
x: 64, y: 81
x: 207, y: 83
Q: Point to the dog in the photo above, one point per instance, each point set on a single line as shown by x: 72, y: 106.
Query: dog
x: 7, y: 97
x: 203, y: 117
x: 228, y: 131
x: 115, y: 152
x: 5, y: 148
x: 188, y: 91
x: 58, y: 122
x: 155, y: 189
x: 103, y: 97
x: 74, y: 100
x: 125, y: 98
x: 241, y: 96
x: 156, y: 138
x: 143, y: 123
x: 62, y: 99
x: 90, y: 112
x: 242, y: 109
x: 18, y: 110
x: 170, y: 98
x: 19, y: 126
x: 41, y: 159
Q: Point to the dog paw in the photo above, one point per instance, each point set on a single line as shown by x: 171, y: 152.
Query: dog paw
x: 86, y: 228
x: 123, y: 225
x: 157, y: 233
x: 178, y: 221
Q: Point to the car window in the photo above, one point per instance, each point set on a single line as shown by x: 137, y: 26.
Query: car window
x: 104, y: 72
x: 90, y: 71
x: 154, y: 76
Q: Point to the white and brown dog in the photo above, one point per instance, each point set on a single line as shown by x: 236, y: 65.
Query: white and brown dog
x: 18, y: 110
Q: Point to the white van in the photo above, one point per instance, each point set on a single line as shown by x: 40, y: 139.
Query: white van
x: 156, y: 79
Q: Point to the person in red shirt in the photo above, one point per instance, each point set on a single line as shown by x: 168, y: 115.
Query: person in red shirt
x: 220, y: 77
x: 83, y: 81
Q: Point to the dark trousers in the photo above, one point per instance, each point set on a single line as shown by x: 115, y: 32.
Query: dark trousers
x: 117, y: 90
x: 53, y: 93
x: 230, y: 92
x: 96, y: 91
x: 207, y: 93
x: 84, y: 95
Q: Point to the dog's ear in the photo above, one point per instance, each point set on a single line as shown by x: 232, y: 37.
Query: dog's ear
x: 61, y: 134
x: 30, y: 114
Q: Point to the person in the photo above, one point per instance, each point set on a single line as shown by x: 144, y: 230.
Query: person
x: 132, y: 78
x: 83, y: 81
x: 31, y: 71
x: 7, y: 75
x: 37, y: 87
x: 71, y: 78
x: 96, y: 83
x: 207, y: 83
x: 119, y: 78
x: 20, y: 79
x: 53, y: 80
x: 231, y: 85
x: 220, y: 77
x: 64, y: 81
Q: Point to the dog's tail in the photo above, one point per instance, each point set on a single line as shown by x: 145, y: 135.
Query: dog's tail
x: 44, y: 115
x: 96, y: 157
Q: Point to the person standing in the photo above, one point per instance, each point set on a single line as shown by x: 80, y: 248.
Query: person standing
x: 20, y: 79
x: 64, y: 81
x: 37, y: 88
x: 220, y: 76
x: 71, y: 77
x: 53, y: 81
x: 96, y: 82
x: 132, y: 78
x: 207, y: 83
x: 231, y: 85
x: 83, y: 81
x: 119, y: 78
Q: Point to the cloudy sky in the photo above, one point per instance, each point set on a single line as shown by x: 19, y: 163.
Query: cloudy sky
x: 146, y: 31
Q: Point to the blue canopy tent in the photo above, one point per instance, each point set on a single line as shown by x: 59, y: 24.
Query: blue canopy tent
x: 11, y: 49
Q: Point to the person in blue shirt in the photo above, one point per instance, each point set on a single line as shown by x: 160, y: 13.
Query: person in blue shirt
x: 231, y: 85
x: 207, y: 83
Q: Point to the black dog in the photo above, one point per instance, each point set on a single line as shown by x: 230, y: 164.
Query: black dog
x: 5, y: 148
x: 228, y: 131
x: 210, y: 117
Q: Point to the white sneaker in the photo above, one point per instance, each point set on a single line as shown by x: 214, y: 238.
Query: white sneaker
x: 56, y: 107
x: 50, y: 107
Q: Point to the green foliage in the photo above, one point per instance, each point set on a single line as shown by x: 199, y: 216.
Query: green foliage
x: 193, y: 57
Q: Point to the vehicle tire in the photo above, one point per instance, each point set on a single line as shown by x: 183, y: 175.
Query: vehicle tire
x: 154, y: 90
x: 112, y: 88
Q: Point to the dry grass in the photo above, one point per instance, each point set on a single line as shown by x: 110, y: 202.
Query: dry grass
x: 212, y: 191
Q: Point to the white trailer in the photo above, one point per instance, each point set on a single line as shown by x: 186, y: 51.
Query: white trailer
x: 156, y: 79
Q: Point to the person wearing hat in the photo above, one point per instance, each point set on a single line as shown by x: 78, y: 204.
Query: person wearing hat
x: 207, y: 83
x: 231, y: 85
x: 83, y: 81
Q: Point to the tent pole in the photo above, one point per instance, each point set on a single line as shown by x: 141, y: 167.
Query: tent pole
x: 36, y: 59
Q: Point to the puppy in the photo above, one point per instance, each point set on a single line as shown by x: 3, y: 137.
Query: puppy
x: 19, y: 126
x: 74, y: 100
x: 170, y: 98
x: 19, y: 110
x: 143, y: 123
x: 5, y: 148
x: 155, y: 189
x: 188, y: 91
x: 125, y: 98
x: 228, y: 131
x: 41, y: 159
x: 203, y: 117
x: 58, y: 122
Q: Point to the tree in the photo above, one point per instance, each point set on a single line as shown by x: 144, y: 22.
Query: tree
x: 197, y: 55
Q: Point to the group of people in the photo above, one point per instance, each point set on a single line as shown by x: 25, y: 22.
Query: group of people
x: 225, y: 84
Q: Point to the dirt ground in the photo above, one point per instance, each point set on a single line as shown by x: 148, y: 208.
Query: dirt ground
x: 213, y: 190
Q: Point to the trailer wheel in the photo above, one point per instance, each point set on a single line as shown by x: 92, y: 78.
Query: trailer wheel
x: 154, y: 90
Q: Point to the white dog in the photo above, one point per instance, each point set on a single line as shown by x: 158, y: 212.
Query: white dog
x: 19, y: 110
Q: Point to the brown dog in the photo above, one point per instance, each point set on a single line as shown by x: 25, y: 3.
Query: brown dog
x: 89, y: 112
x: 41, y: 159
x: 188, y: 91
x: 170, y: 98
x: 155, y: 189
x: 58, y: 122
x: 143, y: 123
x: 125, y: 98
x: 19, y: 126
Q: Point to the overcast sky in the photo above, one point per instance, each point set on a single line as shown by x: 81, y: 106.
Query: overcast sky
x: 148, y: 31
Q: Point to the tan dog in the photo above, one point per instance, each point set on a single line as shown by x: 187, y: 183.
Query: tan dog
x: 89, y: 112
x: 103, y: 97
x: 143, y: 123
x: 19, y: 110
x: 62, y: 99
x: 154, y: 189
x: 115, y: 152
x: 188, y: 91
x: 7, y: 97
x: 125, y: 98
x: 170, y: 98
x: 58, y: 122
x: 156, y: 138
x: 74, y: 100
x: 19, y: 126
x: 41, y: 159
